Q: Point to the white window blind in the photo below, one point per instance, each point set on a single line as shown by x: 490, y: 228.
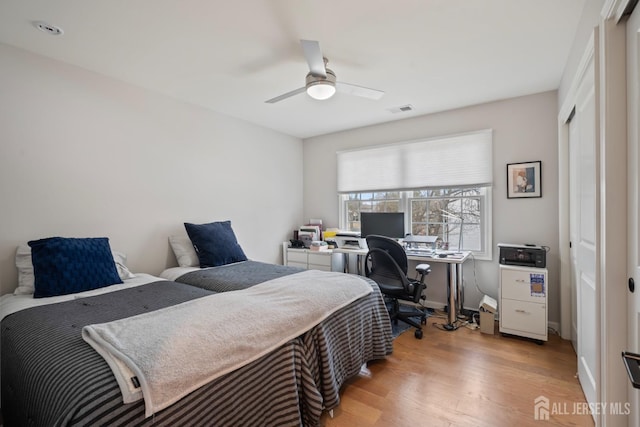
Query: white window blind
x: 451, y: 161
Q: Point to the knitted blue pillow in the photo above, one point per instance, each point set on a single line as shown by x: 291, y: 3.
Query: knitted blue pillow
x: 215, y: 243
x: 68, y: 265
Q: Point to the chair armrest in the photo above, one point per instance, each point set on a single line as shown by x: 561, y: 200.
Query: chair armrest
x: 423, y: 268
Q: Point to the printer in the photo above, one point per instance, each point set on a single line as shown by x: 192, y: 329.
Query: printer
x: 309, y: 234
x: 350, y: 240
x: 523, y: 255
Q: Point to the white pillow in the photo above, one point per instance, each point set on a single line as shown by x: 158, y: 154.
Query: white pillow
x: 121, y: 265
x: 184, y: 251
x: 26, y: 278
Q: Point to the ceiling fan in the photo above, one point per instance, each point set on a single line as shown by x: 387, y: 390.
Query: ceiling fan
x: 321, y: 82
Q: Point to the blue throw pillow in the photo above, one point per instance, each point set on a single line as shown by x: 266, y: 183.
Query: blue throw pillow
x: 68, y: 265
x: 215, y: 243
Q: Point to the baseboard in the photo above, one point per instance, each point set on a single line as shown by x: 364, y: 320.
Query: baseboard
x: 436, y: 305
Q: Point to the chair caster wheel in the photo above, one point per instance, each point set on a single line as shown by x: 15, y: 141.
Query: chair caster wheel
x: 423, y: 321
x: 418, y: 334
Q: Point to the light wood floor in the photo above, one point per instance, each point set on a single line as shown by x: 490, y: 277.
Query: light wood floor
x: 464, y: 378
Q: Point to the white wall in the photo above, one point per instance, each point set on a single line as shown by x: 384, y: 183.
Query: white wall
x: 588, y: 21
x: 85, y: 155
x: 524, y: 130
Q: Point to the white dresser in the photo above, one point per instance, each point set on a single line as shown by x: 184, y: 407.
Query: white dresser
x: 312, y: 260
x: 523, y: 301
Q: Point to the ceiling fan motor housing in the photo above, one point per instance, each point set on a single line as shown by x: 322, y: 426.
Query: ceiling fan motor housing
x: 330, y: 79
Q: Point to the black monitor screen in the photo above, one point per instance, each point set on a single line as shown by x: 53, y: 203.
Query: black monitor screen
x: 389, y: 224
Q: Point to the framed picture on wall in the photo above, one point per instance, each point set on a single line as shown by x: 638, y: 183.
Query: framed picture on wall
x: 524, y: 180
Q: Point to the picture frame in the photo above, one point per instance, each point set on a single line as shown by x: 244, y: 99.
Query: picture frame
x: 524, y: 180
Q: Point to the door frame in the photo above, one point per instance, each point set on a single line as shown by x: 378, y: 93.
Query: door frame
x: 608, y: 48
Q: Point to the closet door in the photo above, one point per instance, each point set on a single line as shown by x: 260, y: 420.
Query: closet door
x: 633, y: 182
x: 584, y: 244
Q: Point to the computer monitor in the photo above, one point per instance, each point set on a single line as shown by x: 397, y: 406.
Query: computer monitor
x: 389, y: 224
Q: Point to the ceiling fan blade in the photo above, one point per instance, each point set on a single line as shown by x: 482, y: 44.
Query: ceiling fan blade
x: 314, y: 58
x: 362, y: 91
x: 285, y: 95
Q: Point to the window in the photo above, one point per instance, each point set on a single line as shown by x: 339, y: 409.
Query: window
x: 443, y: 185
x: 370, y: 202
x: 433, y: 212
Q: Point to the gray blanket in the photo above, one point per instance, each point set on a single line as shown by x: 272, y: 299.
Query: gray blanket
x: 233, y: 277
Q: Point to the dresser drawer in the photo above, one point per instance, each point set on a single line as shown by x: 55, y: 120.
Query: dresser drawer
x: 297, y: 256
x: 522, y: 316
x: 523, y: 285
x: 319, y: 259
x: 297, y: 264
x: 315, y: 260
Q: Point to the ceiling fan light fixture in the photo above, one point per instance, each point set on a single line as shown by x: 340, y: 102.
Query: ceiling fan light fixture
x: 321, y: 88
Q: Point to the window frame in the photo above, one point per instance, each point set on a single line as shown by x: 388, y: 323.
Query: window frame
x: 406, y: 197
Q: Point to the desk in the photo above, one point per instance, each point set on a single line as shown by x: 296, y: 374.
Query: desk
x: 359, y: 253
x: 455, y: 290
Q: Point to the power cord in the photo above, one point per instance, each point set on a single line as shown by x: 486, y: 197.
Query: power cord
x: 456, y: 325
x: 473, y: 324
x: 475, y: 277
x: 444, y: 327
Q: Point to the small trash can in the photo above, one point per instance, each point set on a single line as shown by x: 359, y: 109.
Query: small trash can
x: 487, y: 309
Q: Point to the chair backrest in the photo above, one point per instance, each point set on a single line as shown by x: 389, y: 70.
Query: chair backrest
x: 392, y: 247
x: 386, y: 264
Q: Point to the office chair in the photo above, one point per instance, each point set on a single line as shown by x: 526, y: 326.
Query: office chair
x: 386, y: 264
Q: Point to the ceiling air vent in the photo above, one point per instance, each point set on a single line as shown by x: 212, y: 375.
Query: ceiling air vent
x: 402, y: 109
x: 48, y: 28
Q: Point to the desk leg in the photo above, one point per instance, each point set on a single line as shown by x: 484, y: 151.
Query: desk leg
x: 453, y: 293
x: 460, y: 288
x: 345, y: 261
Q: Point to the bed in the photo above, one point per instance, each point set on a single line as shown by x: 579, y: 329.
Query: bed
x: 51, y: 376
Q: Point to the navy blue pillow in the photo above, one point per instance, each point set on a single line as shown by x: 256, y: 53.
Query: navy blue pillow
x: 68, y: 265
x: 215, y: 243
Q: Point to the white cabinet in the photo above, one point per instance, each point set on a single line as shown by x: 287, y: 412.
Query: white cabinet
x: 312, y: 260
x: 523, y: 301
x: 296, y: 258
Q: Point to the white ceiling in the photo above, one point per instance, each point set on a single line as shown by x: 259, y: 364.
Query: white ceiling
x: 231, y: 56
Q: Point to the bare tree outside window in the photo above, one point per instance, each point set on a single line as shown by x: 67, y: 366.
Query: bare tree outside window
x: 444, y: 212
x: 370, y: 202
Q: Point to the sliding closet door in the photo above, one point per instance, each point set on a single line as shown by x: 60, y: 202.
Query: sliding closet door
x: 633, y: 182
x: 583, y: 251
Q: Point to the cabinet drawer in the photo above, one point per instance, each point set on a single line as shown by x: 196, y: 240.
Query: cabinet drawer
x: 523, y: 285
x: 319, y: 259
x: 297, y: 256
x: 297, y: 264
x: 524, y: 316
x: 319, y: 267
